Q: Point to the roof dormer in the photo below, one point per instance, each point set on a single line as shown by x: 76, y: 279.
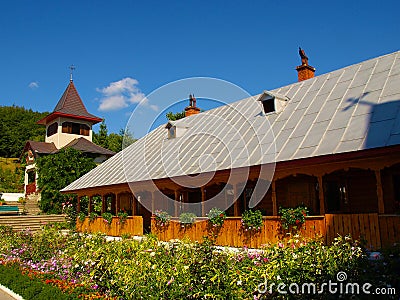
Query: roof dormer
x: 176, y: 128
x: 272, y: 102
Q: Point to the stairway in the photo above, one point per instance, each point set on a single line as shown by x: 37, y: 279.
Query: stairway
x: 33, y: 222
x: 31, y: 206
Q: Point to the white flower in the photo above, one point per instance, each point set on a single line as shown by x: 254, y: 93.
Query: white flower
x: 239, y: 282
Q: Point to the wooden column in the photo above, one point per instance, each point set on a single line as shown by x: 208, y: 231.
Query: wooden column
x: 176, y: 203
x: 236, y: 203
x: 321, y: 195
x: 90, y: 208
x: 78, y: 205
x: 117, y: 204
x: 114, y: 203
x: 203, y: 199
x: 273, y: 197
x: 103, y: 204
x: 379, y: 192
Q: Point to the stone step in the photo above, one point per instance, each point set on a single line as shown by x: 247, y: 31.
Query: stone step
x: 34, y: 223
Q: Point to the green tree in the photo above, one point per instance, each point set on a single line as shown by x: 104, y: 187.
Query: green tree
x: 175, y: 116
x: 17, y: 126
x: 55, y: 172
x: 100, y: 138
x: 112, y: 141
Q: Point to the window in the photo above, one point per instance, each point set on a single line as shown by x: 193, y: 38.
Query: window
x: 268, y: 105
x: 172, y: 132
x: 75, y: 128
x: 52, y: 129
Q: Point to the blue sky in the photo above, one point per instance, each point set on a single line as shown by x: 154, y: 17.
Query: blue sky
x: 124, y: 50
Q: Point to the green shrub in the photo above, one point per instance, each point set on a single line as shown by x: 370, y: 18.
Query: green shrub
x: 92, y: 216
x: 252, y: 220
x: 81, y: 216
x: 107, y: 217
x: 122, y: 216
x: 216, y: 217
x: 162, y: 218
x: 30, y: 288
x: 293, y: 217
x: 187, y: 219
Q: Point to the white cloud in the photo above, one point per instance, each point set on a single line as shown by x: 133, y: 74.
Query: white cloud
x: 113, y: 103
x: 121, y: 94
x: 33, y: 85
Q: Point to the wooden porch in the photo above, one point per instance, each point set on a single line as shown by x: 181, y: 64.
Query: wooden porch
x: 351, y: 193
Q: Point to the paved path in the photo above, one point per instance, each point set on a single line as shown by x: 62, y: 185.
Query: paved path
x: 5, y: 296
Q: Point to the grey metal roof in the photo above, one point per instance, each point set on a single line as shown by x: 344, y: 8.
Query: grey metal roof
x: 350, y: 109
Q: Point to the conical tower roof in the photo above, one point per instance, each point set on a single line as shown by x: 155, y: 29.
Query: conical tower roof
x: 70, y: 105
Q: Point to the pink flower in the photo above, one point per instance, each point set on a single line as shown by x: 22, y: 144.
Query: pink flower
x: 280, y: 245
x: 170, y: 281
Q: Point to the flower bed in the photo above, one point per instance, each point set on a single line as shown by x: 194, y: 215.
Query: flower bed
x: 129, y: 269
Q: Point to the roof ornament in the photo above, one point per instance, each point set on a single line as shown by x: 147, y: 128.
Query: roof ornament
x: 71, y: 70
x: 192, y: 100
x: 304, y: 58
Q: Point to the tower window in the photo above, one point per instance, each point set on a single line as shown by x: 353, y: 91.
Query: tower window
x: 52, y: 129
x: 75, y: 128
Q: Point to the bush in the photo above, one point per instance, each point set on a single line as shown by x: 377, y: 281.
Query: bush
x: 122, y: 216
x: 187, y: 219
x: 252, y: 220
x: 162, y: 218
x: 107, y: 217
x: 216, y: 217
x: 293, y: 217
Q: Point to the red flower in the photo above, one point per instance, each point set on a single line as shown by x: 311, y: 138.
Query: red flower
x: 297, y: 221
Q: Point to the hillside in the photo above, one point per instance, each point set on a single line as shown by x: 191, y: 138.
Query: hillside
x: 10, y: 175
x: 18, y: 125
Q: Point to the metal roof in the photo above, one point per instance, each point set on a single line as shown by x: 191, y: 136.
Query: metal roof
x: 350, y: 109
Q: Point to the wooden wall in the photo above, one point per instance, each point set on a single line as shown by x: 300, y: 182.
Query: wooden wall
x: 377, y: 230
x: 132, y: 226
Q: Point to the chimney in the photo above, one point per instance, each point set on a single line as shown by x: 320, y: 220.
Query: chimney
x: 304, y: 71
x: 192, y: 109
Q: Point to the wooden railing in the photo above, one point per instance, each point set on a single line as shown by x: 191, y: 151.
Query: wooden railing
x: 389, y: 229
x: 133, y: 226
x: 375, y: 230
x: 232, y: 234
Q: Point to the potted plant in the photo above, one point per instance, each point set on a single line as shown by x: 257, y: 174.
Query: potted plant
x: 187, y: 219
x: 162, y: 218
x: 107, y: 217
x: 81, y: 216
x: 92, y: 216
x: 216, y: 217
x: 122, y: 216
x: 293, y: 217
x: 252, y: 220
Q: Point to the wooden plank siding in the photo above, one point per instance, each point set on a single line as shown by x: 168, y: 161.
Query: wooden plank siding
x: 132, y: 226
x: 390, y: 229
x: 378, y: 231
x: 232, y: 233
x: 359, y: 226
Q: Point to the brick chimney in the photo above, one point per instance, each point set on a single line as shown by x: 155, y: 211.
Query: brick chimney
x: 304, y: 71
x: 192, y: 109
